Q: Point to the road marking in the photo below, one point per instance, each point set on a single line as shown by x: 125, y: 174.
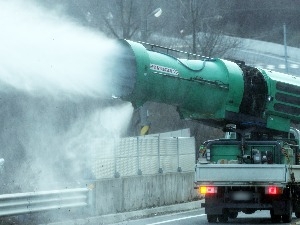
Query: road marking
x: 294, y: 66
x: 182, y: 218
x: 270, y: 67
x: 267, y: 55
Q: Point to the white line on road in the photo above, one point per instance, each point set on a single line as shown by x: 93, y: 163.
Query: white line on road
x: 269, y: 55
x: 270, y: 67
x: 294, y: 66
x: 281, y: 66
x: 182, y: 218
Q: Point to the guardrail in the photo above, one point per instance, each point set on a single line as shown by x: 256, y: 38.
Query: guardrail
x: 21, y: 203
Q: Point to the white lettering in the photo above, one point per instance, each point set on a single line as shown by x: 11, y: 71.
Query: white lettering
x: 158, y: 68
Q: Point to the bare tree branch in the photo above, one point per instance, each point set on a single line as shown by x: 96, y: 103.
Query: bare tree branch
x: 110, y: 27
x: 205, y: 38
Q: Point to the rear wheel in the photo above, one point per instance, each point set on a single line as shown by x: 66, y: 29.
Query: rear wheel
x: 287, y: 218
x: 212, y: 218
x: 223, y: 218
x: 233, y: 215
x: 275, y: 218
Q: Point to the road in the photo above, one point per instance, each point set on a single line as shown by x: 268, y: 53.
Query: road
x: 197, y: 217
x: 267, y: 61
x: 267, y: 55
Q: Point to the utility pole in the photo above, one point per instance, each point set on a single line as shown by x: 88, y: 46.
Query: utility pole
x: 285, y: 49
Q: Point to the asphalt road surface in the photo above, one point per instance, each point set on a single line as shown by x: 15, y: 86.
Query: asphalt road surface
x: 267, y: 55
x: 268, y: 61
x: 197, y: 217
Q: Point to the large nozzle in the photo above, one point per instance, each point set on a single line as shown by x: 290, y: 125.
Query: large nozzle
x: 200, y: 89
x: 212, y: 90
x: 123, y: 79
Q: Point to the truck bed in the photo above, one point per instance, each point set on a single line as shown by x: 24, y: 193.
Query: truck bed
x: 245, y: 174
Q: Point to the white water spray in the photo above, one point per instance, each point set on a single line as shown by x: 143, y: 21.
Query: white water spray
x: 52, y: 74
x: 47, y: 53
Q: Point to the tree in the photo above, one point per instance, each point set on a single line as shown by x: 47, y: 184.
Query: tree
x: 125, y: 18
x: 115, y: 18
x: 205, y: 28
x: 121, y: 19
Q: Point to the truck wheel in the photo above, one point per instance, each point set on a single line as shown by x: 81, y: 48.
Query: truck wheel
x: 287, y: 218
x: 275, y: 218
x: 223, y: 218
x: 297, y: 214
x: 212, y: 218
x: 233, y: 215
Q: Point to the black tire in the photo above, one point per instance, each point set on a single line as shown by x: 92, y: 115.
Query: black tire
x: 223, y: 218
x: 287, y: 218
x: 297, y: 214
x: 233, y: 215
x: 275, y: 218
x: 212, y: 218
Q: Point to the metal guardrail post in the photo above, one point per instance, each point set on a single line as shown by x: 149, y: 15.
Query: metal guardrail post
x: 160, y: 170
x: 139, y: 172
x: 117, y: 174
x: 178, y: 163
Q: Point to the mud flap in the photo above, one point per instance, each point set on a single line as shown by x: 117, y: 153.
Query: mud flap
x: 212, y: 206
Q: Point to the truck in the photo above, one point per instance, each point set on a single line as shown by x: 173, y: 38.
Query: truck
x: 247, y: 174
x: 256, y: 165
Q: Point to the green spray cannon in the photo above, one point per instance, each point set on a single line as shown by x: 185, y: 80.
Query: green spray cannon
x: 212, y: 90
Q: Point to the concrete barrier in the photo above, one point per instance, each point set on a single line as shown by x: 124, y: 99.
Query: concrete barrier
x: 139, y: 192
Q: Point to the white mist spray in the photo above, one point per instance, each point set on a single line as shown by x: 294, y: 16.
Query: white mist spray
x: 45, y: 53
x: 52, y: 74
